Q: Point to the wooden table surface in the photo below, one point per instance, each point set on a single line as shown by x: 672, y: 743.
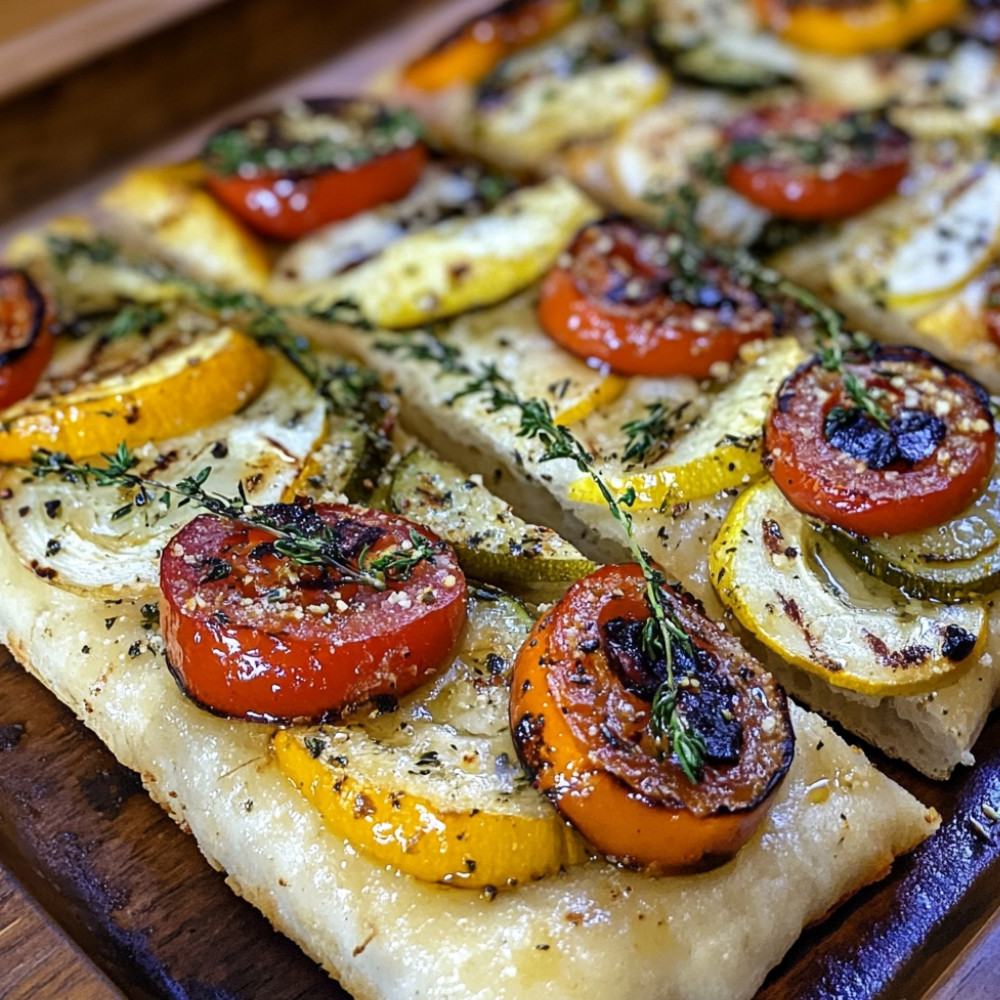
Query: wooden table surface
x: 95, y: 882
x: 41, y: 39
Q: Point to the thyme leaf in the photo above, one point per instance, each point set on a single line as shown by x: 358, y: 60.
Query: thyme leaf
x: 662, y: 629
x: 689, y: 252
x: 133, y: 318
x: 647, y: 434
x: 317, y: 544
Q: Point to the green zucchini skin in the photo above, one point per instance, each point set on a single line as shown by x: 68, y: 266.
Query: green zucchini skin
x: 949, y: 562
x: 492, y: 543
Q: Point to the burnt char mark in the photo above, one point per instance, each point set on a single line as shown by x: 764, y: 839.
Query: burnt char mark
x: 107, y: 791
x: 791, y: 609
x: 958, y: 643
x: 10, y: 735
x: 794, y: 614
x: 529, y: 738
x: 897, y: 659
x: 773, y: 538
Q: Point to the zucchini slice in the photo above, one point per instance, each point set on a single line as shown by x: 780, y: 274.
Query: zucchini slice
x: 492, y: 543
x: 949, y: 562
x: 788, y: 586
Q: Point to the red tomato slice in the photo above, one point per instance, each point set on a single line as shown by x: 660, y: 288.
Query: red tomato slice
x: 580, y: 715
x: 25, y: 335
x: 253, y: 635
x: 290, y: 172
x: 470, y: 52
x: 815, y: 162
x: 618, y: 297
x: 831, y: 460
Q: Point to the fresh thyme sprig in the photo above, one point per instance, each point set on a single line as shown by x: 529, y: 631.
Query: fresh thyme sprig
x: 132, y: 319
x: 316, y: 545
x: 348, y: 390
x: 689, y: 251
x: 661, y: 630
x: 660, y: 425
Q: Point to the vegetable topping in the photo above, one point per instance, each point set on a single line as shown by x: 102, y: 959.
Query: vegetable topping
x: 918, y: 458
x: 214, y: 375
x: 584, y: 715
x: 314, y: 162
x: 253, y: 633
x: 25, y: 335
x: 629, y: 297
x: 815, y: 162
x: 477, y: 46
x: 847, y: 27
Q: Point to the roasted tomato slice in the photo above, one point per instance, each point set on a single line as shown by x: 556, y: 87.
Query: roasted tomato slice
x: 833, y: 460
x: 848, y: 27
x: 470, y: 52
x: 253, y: 635
x: 25, y: 335
x: 314, y: 162
x: 580, y: 714
x: 815, y: 162
x: 619, y: 296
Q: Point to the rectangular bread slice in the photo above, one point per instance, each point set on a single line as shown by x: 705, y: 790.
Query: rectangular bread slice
x: 934, y: 732
x: 593, y: 931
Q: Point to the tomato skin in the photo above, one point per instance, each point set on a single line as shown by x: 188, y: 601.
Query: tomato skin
x: 583, y: 735
x: 470, y: 52
x: 240, y: 655
x: 820, y: 479
x: 853, y: 28
x: 873, y: 158
x: 585, y: 308
x: 283, y: 207
x: 288, y: 171
x: 25, y: 335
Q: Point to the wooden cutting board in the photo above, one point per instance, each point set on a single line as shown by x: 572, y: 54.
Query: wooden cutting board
x: 100, y: 868
x: 131, y: 888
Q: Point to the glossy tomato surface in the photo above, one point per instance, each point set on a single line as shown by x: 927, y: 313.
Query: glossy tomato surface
x: 834, y: 461
x: 292, y: 171
x: 815, y: 162
x: 251, y: 634
x: 25, y: 335
x: 620, y: 297
x: 580, y: 715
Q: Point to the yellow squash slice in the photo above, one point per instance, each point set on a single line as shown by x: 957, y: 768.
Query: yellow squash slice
x: 177, y: 391
x: 952, y: 246
x: 167, y: 208
x: 460, y: 264
x: 90, y: 541
x: 435, y: 789
x: 792, y: 590
x: 721, y: 450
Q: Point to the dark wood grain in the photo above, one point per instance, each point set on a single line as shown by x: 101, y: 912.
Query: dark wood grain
x: 119, y: 876
x: 59, y: 135
x: 36, y: 958
x: 132, y: 889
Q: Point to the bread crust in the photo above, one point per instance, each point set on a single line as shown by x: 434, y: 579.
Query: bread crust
x: 593, y: 931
